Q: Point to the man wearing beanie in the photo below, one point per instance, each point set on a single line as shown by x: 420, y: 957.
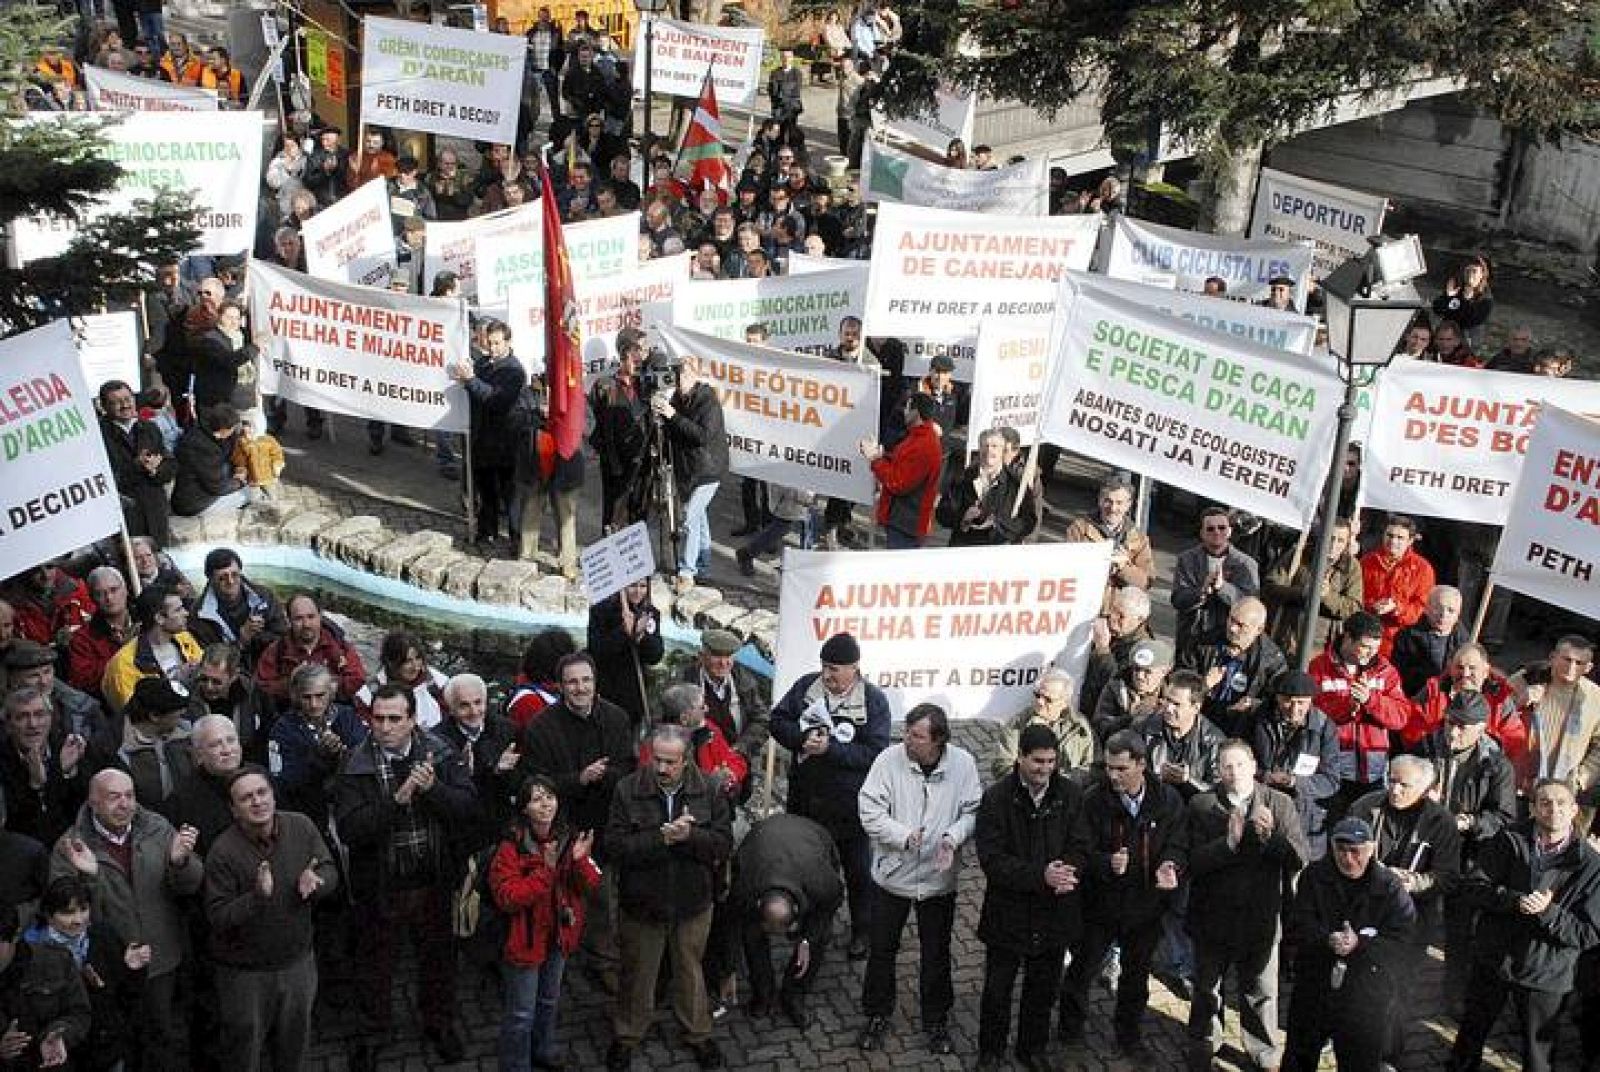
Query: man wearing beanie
x: 908, y: 475
x: 834, y: 723
x: 1297, y: 750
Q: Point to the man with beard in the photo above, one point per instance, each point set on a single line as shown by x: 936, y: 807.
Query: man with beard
x: 311, y: 639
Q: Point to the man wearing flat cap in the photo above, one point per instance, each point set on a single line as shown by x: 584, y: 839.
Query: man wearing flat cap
x: 1297, y: 752
x: 1349, y: 924
x: 1280, y: 294
x: 33, y: 665
x: 736, y: 700
x: 1478, y: 787
x: 834, y: 723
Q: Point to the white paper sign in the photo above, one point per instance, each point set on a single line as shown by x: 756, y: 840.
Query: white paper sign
x: 613, y: 562
x: 108, y: 348
x: 1271, y: 328
x: 596, y: 249
x: 1547, y: 550
x: 215, y: 156
x: 891, y: 175
x: 968, y: 628
x: 1335, y: 220
x: 355, y: 350
x: 417, y: 76
x: 1170, y: 257
x: 58, y: 493
x: 1012, y: 368
x: 938, y: 274
x: 801, y: 312
x: 791, y: 419
x: 1223, y: 418
x: 113, y: 91
x: 352, y: 240
x: 684, y: 51
x: 1448, y: 442
x: 950, y: 117
x: 451, y: 245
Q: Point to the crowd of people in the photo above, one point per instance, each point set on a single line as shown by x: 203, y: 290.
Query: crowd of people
x: 220, y: 824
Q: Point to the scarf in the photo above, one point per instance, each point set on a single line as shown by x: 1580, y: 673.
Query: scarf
x: 44, y: 934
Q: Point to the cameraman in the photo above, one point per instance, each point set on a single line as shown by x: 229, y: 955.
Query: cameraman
x: 691, y: 420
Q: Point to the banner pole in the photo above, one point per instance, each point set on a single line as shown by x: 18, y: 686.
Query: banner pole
x: 134, y: 584
x: 469, y: 500
x: 1030, y: 469
x: 1483, y: 609
x: 1141, y: 503
x: 770, y: 763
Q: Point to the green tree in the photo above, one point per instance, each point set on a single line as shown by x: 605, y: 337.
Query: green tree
x: 1231, y: 77
x: 59, y: 170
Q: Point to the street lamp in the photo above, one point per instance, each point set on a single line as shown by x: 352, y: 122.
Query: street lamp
x: 648, y: 10
x: 1369, y: 304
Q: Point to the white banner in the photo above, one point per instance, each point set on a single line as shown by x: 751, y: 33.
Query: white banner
x: 891, y: 175
x: 58, y: 493
x: 359, y: 351
x: 1259, y: 324
x: 962, y: 352
x: 596, y: 249
x: 1184, y: 260
x: 684, y: 51
x: 1554, y: 523
x: 352, y: 240
x: 113, y: 91
x: 1448, y: 442
x: 1012, y: 367
x: 1220, y: 417
x: 613, y: 562
x: 1335, y: 220
x: 938, y: 274
x: 802, y: 312
x: 968, y: 628
x: 214, y: 156
x: 418, y: 76
x: 605, y: 307
x: 451, y: 245
x: 791, y: 419
x: 950, y: 117
x: 108, y: 348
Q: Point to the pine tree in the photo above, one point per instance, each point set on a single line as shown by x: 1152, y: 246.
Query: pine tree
x: 59, y: 169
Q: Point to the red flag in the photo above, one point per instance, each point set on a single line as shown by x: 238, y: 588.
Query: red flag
x: 563, y: 346
x: 702, y: 146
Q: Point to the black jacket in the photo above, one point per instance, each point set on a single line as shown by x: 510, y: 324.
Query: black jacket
x: 496, y: 790
x: 147, y: 490
x: 200, y: 800
x: 41, y: 992
x: 1197, y: 749
x: 1105, y: 667
x: 699, y: 444
x: 1425, y: 832
x: 655, y: 880
x: 825, y: 787
x: 793, y: 854
x: 1017, y: 839
x: 205, y: 472
x: 1247, y: 678
x: 998, y: 523
x: 558, y: 744
x: 1536, y: 952
x: 621, y: 426
x: 1236, y: 893
x: 365, y: 814
x: 1420, y: 653
x: 1159, y: 833
x: 1377, y: 908
x: 1482, y: 785
x: 1278, y: 749
x: 622, y: 662
x: 493, y: 390
x: 44, y: 813
x: 216, y: 367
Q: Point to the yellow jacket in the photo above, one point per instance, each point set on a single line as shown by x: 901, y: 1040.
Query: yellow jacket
x: 133, y: 661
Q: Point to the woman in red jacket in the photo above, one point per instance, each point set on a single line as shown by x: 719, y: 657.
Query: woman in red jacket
x: 541, y: 875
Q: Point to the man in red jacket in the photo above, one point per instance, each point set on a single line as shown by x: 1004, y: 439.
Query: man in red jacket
x: 908, y: 476
x: 309, y: 640
x: 1359, y: 690
x: 1395, y: 580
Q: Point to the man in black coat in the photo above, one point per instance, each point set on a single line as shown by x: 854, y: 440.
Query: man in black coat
x: 1478, y: 787
x: 785, y: 884
x: 488, y: 746
x: 399, y: 802
x: 1137, y: 839
x: 1297, y: 753
x: 1032, y: 850
x: 1350, y: 920
x: 1238, y: 665
x: 691, y: 417
x: 1423, y: 649
x: 494, y: 384
x: 1537, y: 886
x: 1245, y: 847
x: 140, y: 464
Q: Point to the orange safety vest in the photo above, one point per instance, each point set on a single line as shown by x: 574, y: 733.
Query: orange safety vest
x: 235, y: 87
x: 192, y: 70
x: 66, y: 72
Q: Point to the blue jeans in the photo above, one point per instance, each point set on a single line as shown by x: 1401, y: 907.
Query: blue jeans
x: 532, y: 998
x: 153, y: 28
x: 895, y: 540
x: 696, y: 530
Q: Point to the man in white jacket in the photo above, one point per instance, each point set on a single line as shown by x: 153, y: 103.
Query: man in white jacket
x: 918, y: 807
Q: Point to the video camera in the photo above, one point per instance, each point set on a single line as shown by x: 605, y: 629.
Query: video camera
x: 660, y: 372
